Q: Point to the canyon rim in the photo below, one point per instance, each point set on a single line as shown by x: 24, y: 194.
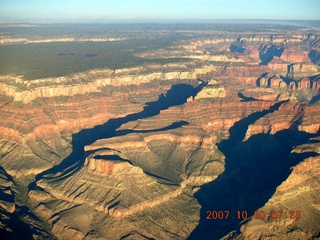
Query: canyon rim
x: 181, y: 131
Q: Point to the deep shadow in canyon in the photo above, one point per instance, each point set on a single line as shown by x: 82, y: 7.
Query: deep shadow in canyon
x: 21, y: 229
x: 254, y: 169
x: 177, y: 95
x: 245, y: 99
x: 268, y: 52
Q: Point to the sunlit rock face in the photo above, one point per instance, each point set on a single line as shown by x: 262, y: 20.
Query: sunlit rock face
x: 41, y: 131
x: 141, y: 152
x: 162, y: 171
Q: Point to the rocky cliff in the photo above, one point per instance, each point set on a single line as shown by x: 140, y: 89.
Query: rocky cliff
x: 149, y: 185
x: 147, y: 159
x: 42, y: 130
x: 294, y: 206
x: 96, y: 80
x: 128, y: 153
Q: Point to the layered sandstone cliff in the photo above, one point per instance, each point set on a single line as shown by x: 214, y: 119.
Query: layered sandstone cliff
x: 290, y: 115
x: 137, y: 188
x: 97, y: 80
x: 125, y: 167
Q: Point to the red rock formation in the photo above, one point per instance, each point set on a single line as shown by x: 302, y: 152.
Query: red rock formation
x: 105, y: 168
x: 252, y: 51
x: 276, y: 82
x: 245, y: 74
x: 300, y: 69
x: 310, y: 119
x: 305, y: 69
x: 316, y: 83
x: 294, y: 56
x: 286, y: 117
x: 38, y: 129
x: 278, y: 65
x: 304, y: 83
x: 124, y: 192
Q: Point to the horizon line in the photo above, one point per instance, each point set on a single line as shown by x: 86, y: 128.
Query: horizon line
x: 101, y: 21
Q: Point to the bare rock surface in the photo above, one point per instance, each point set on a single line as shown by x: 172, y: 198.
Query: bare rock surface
x: 144, y: 152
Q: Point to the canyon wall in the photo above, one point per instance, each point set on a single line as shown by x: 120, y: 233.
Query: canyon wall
x: 124, y: 153
x: 117, y: 79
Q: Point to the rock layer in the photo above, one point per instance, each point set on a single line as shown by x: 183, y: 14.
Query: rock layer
x: 110, y: 162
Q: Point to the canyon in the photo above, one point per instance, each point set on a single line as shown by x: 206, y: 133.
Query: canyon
x: 143, y: 152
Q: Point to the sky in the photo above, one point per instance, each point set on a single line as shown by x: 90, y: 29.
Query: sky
x: 108, y: 10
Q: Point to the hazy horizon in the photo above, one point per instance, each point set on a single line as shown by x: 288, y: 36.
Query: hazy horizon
x: 99, y: 11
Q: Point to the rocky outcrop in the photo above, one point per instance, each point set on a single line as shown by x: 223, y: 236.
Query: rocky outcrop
x: 131, y: 189
x: 212, y: 92
x: 126, y: 191
x: 289, y: 115
x: 276, y: 82
x: 107, y: 168
x: 41, y: 131
x: 294, y: 56
x: 138, y: 147
x: 246, y: 75
x: 299, y: 69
